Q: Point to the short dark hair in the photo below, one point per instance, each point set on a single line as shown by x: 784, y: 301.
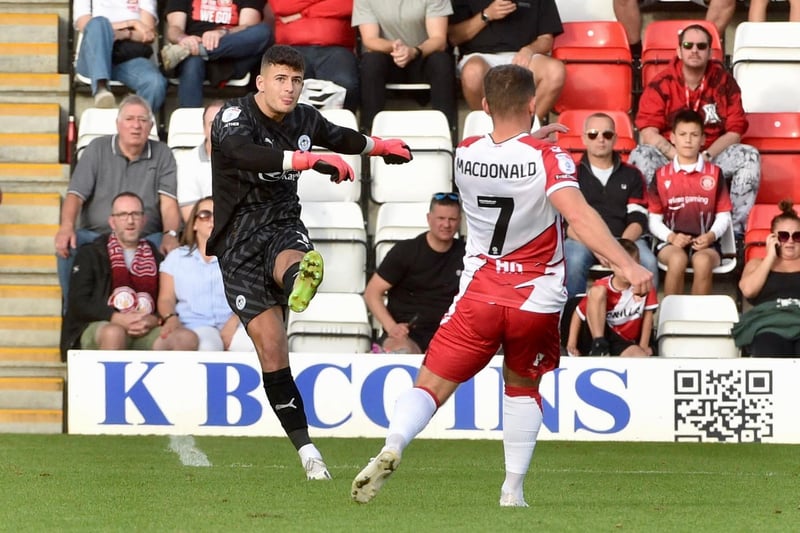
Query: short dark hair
x: 128, y: 194
x: 698, y: 27
x: 687, y: 116
x: 630, y: 247
x: 508, y: 89
x: 280, y: 54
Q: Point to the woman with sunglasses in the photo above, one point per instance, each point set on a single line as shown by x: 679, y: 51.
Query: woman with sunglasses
x: 772, y: 284
x: 191, y: 293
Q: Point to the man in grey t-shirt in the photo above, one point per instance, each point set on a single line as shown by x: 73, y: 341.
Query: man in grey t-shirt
x: 126, y: 162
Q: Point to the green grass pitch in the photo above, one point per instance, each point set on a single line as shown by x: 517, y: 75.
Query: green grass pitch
x: 110, y: 483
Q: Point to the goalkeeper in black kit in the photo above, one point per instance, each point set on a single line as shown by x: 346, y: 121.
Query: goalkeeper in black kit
x: 259, y: 145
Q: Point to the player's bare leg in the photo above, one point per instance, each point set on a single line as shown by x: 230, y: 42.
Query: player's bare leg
x: 269, y: 337
x: 412, y: 412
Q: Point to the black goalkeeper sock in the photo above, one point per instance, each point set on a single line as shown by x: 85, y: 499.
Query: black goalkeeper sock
x: 284, y: 397
x: 288, y: 279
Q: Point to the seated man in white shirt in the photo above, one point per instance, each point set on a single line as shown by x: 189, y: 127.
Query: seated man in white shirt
x: 194, y: 167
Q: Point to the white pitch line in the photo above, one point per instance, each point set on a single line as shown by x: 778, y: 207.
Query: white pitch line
x: 189, y: 454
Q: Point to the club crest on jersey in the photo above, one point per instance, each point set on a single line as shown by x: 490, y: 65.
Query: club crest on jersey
x: 231, y: 113
x: 304, y: 143
x: 707, y: 183
x: 565, y: 163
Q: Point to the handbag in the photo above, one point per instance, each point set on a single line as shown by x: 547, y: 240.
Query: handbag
x: 126, y: 50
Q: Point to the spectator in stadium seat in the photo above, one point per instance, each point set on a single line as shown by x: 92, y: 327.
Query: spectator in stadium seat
x: 419, y: 278
x: 218, y: 42
x: 719, y: 13
x: 497, y: 32
x: 694, y: 81
x: 758, y: 10
x: 617, y: 191
x: 772, y: 285
x: 407, y: 48
x: 611, y: 319
x: 689, y: 209
x: 321, y: 31
x: 194, y: 167
x: 191, y: 293
x: 117, y: 45
x: 114, y: 287
x: 126, y: 161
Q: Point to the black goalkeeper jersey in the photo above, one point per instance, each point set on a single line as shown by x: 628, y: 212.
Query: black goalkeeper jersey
x: 250, y: 188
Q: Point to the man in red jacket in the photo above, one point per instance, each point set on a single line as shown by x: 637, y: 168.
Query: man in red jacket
x: 320, y: 30
x: 695, y: 82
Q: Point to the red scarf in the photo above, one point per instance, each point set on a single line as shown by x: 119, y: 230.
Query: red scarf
x: 143, y: 275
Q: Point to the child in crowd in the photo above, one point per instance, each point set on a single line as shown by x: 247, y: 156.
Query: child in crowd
x: 611, y: 319
x: 690, y: 208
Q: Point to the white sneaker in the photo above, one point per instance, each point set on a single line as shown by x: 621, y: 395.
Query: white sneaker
x: 104, y: 99
x: 509, y: 500
x: 370, y: 480
x: 316, y: 469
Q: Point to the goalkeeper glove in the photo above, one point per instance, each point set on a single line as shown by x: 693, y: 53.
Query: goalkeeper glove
x: 393, y: 151
x: 330, y: 164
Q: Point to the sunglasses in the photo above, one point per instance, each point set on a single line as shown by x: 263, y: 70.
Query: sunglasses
x: 607, y: 135
x: 688, y: 46
x: 439, y: 196
x: 205, y: 214
x: 783, y: 236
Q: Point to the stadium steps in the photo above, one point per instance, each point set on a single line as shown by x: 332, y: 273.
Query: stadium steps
x: 38, y: 177
x: 35, y: 54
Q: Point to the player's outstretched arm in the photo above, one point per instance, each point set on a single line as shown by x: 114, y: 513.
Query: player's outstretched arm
x: 331, y: 164
x: 393, y: 151
x: 593, y: 232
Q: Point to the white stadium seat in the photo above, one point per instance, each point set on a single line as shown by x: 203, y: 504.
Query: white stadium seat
x: 316, y: 187
x: 341, y: 117
x: 397, y: 221
x: 337, y: 231
x: 95, y: 122
x: 333, y: 323
x: 766, y: 65
x: 581, y: 10
x: 185, y: 128
x: 427, y: 133
x: 697, y: 326
x: 477, y: 122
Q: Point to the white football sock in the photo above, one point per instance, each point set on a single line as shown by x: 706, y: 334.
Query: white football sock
x: 412, y: 412
x: 522, y: 419
x: 308, y: 451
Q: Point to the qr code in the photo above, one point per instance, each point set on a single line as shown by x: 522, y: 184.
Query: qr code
x: 723, y: 406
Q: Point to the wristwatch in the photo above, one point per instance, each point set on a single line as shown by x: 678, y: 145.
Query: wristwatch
x: 485, y: 17
x: 171, y: 233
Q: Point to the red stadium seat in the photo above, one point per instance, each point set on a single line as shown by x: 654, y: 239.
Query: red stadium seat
x: 599, y: 66
x: 574, y: 119
x: 660, y: 45
x: 758, y: 227
x: 777, y: 138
